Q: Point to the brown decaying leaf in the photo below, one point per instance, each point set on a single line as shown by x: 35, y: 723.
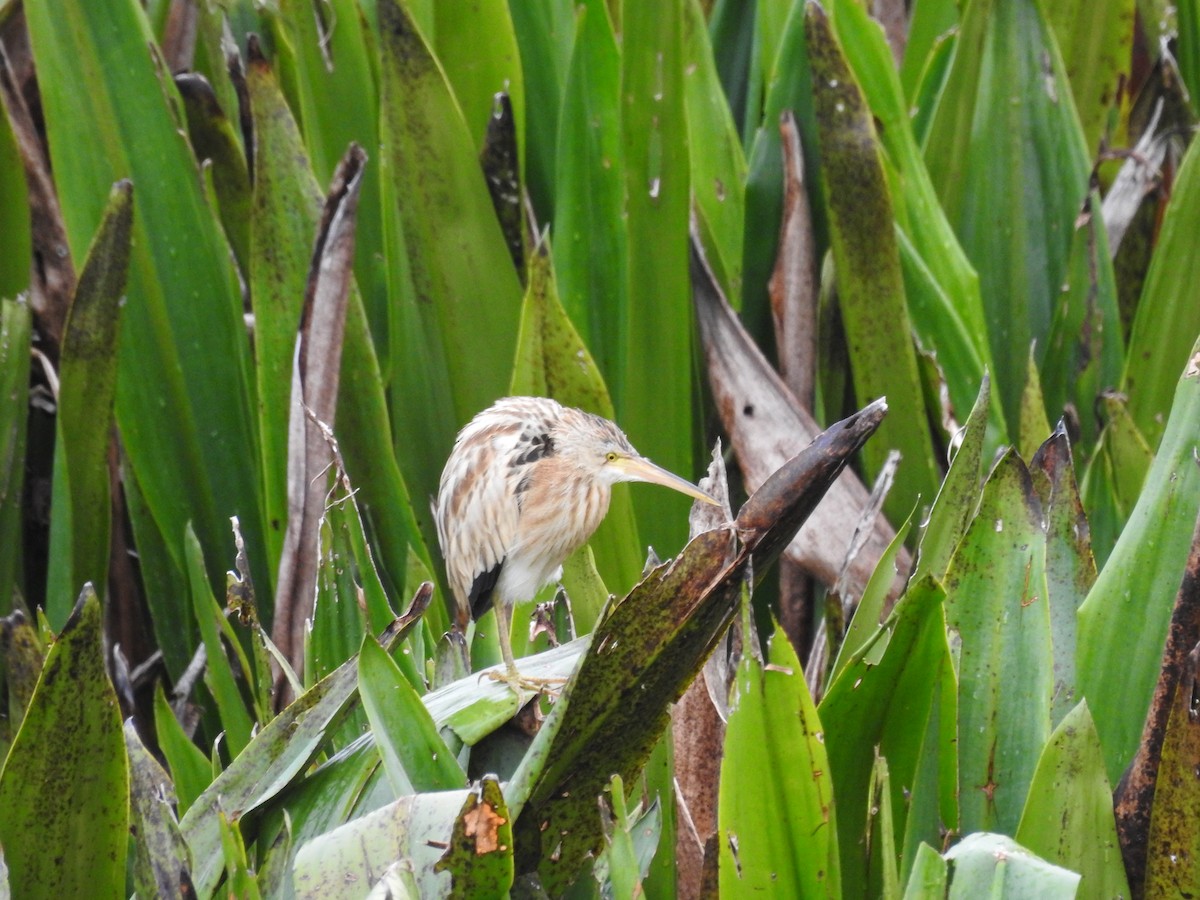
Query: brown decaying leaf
x: 314, y: 400
x: 768, y: 427
x: 483, y: 823
x: 179, y: 35
x: 793, y: 285
x: 52, y: 280
x: 1134, y: 796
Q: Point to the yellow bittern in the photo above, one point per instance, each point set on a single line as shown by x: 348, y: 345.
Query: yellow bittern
x: 528, y: 482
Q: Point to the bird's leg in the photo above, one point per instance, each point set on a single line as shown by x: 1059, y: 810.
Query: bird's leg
x: 511, y: 676
x: 504, y: 623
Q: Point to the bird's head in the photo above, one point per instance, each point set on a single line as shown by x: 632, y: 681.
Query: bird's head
x: 599, y: 447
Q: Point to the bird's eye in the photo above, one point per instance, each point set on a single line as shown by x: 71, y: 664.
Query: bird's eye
x: 610, y: 456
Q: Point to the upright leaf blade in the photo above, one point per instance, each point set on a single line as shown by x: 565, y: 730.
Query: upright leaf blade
x: 87, y: 390
x: 1147, y: 562
x: 653, y: 392
x: 590, y: 246
x: 777, y: 827
x: 466, y: 289
x: 64, y: 789
x: 867, y: 261
x: 1068, y: 818
x: 1008, y: 159
x: 185, y: 424
x: 997, y: 608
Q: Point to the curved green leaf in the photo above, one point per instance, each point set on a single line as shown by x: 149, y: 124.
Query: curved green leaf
x: 590, y: 248
x: 186, y: 424
x: 777, y: 829
x: 64, y: 789
x: 1068, y: 818
x: 1147, y: 563
x: 867, y: 263
x: 999, y: 616
x: 1008, y: 159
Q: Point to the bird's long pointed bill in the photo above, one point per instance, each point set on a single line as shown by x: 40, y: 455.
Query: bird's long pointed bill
x: 639, y: 469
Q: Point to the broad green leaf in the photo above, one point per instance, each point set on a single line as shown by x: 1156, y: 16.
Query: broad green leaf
x: 216, y: 142
x: 1068, y: 818
x: 64, y: 788
x: 161, y: 862
x: 346, y: 861
x: 480, y: 856
x: 1187, y: 14
x: 585, y: 589
x: 653, y: 390
x: 1095, y: 40
x: 186, y: 424
x: 1084, y: 354
x: 466, y: 293
x: 239, y: 879
x: 1146, y: 563
x: 929, y: 875
x: 731, y: 27
x: 940, y: 285
x: 993, y: 865
x: 1033, y: 429
x: 879, y: 820
x: 1008, y: 159
x: 934, y: 792
x: 15, y: 334
x: 1112, y: 482
x: 1168, y: 314
x: 590, y: 246
x: 190, y: 769
x: 867, y: 263
x: 1070, y: 568
x: 958, y: 495
x: 1173, y: 852
x: 933, y: 80
x: 718, y: 164
x: 414, y: 755
x: 479, y: 69
x: 14, y: 216
x: 88, y: 381
x: 999, y: 616
x: 789, y: 89
x: 929, y: 23
x: 545, y: 31
x: 777, y: 829
x: 23, y: 658
x: 881, y: 704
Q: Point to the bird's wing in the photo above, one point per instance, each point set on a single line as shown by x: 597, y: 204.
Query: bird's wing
x: 479, y: 500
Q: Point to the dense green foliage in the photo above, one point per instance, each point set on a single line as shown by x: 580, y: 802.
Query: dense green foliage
x: 262, y: 260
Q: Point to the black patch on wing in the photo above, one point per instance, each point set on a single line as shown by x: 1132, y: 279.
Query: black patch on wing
x: 480, y: 598
x: 533, y: 447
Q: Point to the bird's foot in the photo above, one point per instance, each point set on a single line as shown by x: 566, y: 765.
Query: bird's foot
x: 527, y: 683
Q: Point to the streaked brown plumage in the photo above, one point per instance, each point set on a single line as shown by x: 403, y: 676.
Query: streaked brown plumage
x: 528, y: 482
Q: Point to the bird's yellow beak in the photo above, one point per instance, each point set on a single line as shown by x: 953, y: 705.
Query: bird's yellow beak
x: 637, y: 468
